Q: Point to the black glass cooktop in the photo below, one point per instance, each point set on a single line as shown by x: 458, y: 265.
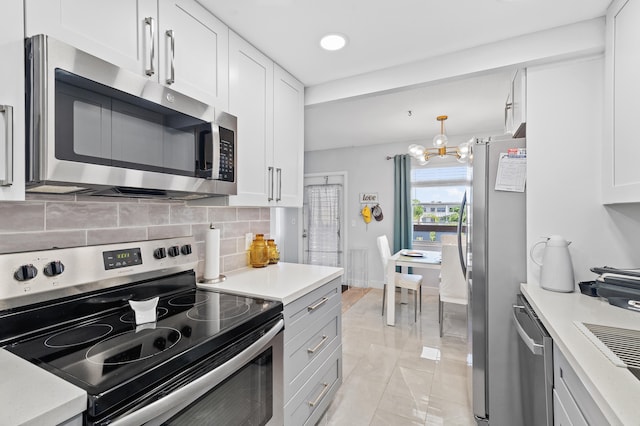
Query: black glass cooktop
x: 94, y: 342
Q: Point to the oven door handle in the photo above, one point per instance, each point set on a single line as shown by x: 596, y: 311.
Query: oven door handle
x: 181, y: 398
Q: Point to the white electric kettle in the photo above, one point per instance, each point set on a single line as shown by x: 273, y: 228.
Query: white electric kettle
x: 556, y: 269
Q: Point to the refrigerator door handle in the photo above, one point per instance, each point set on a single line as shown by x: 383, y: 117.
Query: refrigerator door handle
x: 535, y: 348
x: 459, y: 231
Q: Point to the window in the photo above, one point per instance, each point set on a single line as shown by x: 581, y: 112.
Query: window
x: 436, y: 193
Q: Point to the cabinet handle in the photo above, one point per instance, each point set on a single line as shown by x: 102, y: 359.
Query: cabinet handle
x: 270, y: 197
x: 8, y: 179
x: 172, y: 36
x: 279, y: 172
x: 317, y: 305
x: 152, y: 53
x: 312, y: 350
x: 319, y: 398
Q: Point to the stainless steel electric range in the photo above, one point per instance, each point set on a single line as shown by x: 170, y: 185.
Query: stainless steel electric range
x: 193, y: 357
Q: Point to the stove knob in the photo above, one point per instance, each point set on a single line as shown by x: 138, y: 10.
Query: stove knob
x: 186, y: 331
x: 174, y: 336
x: 186, y: 249
x: 174, y: 251
x: 160, y: 253
x: 160, y: 343
x: 25, y: 273
x: 54, y: 268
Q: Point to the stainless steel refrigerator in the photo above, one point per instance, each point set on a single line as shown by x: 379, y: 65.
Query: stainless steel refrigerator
x: 495, y: 266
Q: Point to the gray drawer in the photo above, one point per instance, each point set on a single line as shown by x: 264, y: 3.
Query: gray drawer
x: 573, y: 394
x: 306, y: 352
x: 312, y: 400
x: 560, y: 416
x: 299, y: 314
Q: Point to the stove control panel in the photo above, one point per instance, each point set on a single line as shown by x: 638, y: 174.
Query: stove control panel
x: 122, y: 258
x: 31, y: 277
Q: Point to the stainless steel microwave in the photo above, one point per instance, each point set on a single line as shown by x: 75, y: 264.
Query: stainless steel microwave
x: 99, y: 129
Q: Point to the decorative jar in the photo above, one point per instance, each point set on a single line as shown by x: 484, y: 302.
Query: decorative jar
x: 274, y: 254
x: 259, y: 252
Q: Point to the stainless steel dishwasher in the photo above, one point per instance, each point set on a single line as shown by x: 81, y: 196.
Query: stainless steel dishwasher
x: 535, y: 353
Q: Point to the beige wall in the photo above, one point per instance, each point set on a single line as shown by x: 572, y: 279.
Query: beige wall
x: 47, y: 221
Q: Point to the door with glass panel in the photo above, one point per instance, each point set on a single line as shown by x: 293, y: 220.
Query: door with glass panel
x: 323, y: 241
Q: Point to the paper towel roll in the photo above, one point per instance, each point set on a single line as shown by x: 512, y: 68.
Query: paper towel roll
x: 212, y: 254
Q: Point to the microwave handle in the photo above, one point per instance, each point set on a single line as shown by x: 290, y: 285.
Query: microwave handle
x: 9, y: 140
x: 215, y: 152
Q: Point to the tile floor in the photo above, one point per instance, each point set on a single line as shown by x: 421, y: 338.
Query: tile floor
x: 402, y: 375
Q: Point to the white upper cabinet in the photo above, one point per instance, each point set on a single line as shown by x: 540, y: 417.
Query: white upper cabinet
x: 178, y: 42
x: 515, y: 112
x: 621, y: 150
x: 12, y: 118
x: 111, y: 30
x: 251, y: 100
x: 288, y: 139
x: 193, y: 57
x: 269, y: 104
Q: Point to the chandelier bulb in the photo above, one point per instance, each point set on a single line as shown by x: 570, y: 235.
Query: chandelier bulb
x: 416, y: 151
x: 441, y: 140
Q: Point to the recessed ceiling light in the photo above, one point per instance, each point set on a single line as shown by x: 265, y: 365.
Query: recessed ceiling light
x: 333, y: 42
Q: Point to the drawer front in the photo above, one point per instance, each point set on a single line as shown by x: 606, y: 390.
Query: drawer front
x: 299, y: 314
x: 306, y: 352
x: 569, y: 405
x: 560, y: 416
x: 577, y: 401
x: 312, y: 400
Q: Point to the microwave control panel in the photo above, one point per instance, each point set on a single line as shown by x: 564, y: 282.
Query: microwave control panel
x: 227, y: 155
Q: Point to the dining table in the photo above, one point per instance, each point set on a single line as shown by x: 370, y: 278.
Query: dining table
x: 424, y: 259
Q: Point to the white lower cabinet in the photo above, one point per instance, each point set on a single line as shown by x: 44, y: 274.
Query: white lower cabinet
x: 312, y: 353
x: 572, y: 403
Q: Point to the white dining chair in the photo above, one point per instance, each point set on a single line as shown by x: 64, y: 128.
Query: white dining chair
x: 408, y: 281
x: 453, y: 285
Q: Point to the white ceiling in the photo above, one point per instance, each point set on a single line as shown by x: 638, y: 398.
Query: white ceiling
x: 384, y: 34
x: 474, y: 105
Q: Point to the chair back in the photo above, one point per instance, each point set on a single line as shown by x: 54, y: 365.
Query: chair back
x: 449, y: 239
x: 453, y: 283
x: 384, y: 250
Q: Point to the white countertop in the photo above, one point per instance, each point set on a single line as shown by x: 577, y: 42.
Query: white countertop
x: 614, y: 389
x: 30, y: 395
x: 285, y: 282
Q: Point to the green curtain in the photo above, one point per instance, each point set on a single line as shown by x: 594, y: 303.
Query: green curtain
x: 402, y: 225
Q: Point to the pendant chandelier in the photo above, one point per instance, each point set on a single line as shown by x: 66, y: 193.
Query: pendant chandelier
x: 462, y: 152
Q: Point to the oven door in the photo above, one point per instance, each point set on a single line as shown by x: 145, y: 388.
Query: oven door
x: 247, y: 389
